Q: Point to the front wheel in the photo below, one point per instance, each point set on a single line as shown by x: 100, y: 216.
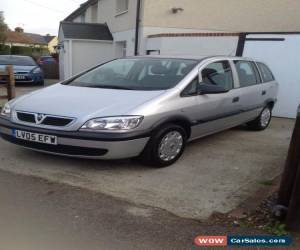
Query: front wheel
x: 263, y: 121
x: 165, y: 146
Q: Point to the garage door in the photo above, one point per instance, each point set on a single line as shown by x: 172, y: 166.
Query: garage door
x: 282, y: 54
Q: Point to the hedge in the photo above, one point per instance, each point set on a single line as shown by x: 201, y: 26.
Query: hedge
x: 4, y: 49
x: 23, y: 50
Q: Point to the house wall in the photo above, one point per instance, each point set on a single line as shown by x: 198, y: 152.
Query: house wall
x: 64, y: 61
x: 128, y: 37
x: 122, y: 26
x: 107, y: 14
x: 88, y: 15
x: 77, y: 19
x: 194, y: 46
x: 229, y: 15
x: 52, y: 44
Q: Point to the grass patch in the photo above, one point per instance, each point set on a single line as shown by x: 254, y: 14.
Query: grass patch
x: 276, y: 228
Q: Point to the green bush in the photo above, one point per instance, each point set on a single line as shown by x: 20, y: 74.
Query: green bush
x: 4, y: 49
x: 23, y: 50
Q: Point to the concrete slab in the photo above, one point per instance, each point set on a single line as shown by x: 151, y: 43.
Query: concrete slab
x: 215, y: 173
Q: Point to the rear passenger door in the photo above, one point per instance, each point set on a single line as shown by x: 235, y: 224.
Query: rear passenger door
x: 250, y: 88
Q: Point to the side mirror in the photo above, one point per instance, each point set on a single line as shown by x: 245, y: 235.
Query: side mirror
x: 204, y: 88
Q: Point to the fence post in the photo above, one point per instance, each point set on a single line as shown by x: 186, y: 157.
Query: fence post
x: 11, y: 90
x: 291, y: 166
x: 293, y: 215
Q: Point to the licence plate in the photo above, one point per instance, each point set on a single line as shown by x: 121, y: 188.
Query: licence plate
x: 19, y: 77
x: 35, y: 137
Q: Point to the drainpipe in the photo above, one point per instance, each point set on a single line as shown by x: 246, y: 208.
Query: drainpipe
x: 137, y: 27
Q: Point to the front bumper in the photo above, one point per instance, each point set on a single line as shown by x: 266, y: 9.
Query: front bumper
x: 80, y: 144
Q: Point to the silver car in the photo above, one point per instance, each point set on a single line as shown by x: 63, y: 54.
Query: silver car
x: 145, y: 107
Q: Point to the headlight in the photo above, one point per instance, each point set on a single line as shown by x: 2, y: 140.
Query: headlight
x: 36, y: 70
x: 113, y: 123
x: 6, y: 110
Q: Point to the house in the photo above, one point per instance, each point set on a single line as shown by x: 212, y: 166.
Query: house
x: 106, y: 29
x: 52, y: 42
x: 20, y: 38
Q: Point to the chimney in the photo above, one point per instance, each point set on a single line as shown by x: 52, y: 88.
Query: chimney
x: 19, y: 30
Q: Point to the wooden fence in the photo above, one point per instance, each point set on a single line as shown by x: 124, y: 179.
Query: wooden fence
x: 51, y: 71
x: 9, y: 85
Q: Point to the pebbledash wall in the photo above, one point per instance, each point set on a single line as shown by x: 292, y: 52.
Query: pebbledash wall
x: 225, y: 16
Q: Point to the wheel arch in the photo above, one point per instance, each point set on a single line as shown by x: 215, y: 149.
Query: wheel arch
x: 270, y: 102
x: 182, y: 121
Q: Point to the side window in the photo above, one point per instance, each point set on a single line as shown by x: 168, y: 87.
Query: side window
x: 121, y: 6
x: 218, y: 73
x: 191, y: 89
x: 266, y: 73
x: 247, y: 72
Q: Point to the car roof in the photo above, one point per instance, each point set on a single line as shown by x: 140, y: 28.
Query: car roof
x: 197, y: 58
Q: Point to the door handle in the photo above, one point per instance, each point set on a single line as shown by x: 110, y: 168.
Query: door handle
x: 263, y: 92
x: 236, y: 99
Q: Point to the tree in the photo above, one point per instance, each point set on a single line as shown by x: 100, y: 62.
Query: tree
x: 3, y: 29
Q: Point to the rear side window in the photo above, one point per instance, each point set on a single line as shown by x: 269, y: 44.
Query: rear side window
x: 266, y: 73
x: 218, y: 73
x: 247, y: 73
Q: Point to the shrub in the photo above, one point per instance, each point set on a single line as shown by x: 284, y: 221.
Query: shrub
x: 4, y: 49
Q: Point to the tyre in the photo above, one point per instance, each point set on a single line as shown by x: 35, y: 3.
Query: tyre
x: 165, y: 146
x: 263, y: 121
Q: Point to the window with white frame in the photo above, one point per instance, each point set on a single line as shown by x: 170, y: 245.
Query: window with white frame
x: 121, y: 6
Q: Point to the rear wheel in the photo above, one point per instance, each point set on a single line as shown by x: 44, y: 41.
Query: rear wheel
x: 165, y: 146
x: 263, y: 121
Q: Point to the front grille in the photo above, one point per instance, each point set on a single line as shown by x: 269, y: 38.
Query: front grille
x: 48, y: 120
x: 55, y: 121
x: 26, y: 117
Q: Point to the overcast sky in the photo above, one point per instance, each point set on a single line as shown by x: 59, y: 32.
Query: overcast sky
x: 37, y: 16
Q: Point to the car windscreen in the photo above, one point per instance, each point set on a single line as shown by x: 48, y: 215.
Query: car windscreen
x: 136, y: 74
x: 17, y: 60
